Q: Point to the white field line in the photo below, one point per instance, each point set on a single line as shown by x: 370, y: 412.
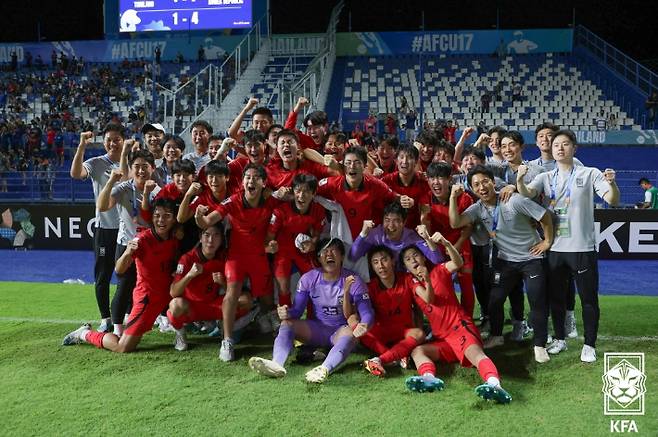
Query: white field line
x: 79, y: 322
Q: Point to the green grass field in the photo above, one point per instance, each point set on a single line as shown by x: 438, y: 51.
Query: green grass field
x: 48, y: 389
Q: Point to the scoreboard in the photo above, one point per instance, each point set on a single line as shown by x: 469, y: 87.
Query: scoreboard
x: 167, y: 15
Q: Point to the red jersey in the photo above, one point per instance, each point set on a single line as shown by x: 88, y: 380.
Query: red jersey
x: 169, y: 191
x: 201, y: 288
x: 439, y: 215
x: 248, y: 224
x: 154, y: 259
x: 449, y: 133
x: 286, y: 222
x: 305, y: 141
x: 205, y: 198
x: 392, y: 305
x: 366, y: 202
x: 278, y: 176
x: 417, y: 190
x: 445, y: 311
x: 386, y: 170
x: 235, y: 170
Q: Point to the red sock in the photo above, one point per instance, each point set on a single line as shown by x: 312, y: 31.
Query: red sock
x: 428, y: 367
x: 371, y: 342
x: 176, y: 323
x: 487, y: 369
x: 95, y: 338
x: 401, y: 350
x: 467, y: 292
x: 284, y: 299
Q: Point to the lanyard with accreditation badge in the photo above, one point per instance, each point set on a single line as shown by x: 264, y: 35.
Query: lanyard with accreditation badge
x: 563, y: 229
x: 492, y: 233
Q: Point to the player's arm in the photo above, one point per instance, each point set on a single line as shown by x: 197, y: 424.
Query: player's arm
x: 78, y: 171
x: 298, y: 306
x: 361, y: 245
x: 227, y: 144
x: 105, y: 200
x: 178, y: 287
x: 361, y: 300
x: 521, y: 187
x: 348, y: 308
x: 429, y: 249
x: 271, y: 245
x: 456, y: 260
x: 612, y: 196
x: 457, y: 220
x: 425, y: 291
x: 459, y: 147
x: 125, y: 260
x: 204, y: 219
x: 234, y: 129
x: 464, y: 235
x: 546, y: 223
x: 425, y: 210
x: 184, y: 211
x: 123, y: 161
x: 291, y: 120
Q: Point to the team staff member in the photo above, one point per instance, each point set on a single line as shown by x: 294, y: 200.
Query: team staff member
x: 511, y: 230
x: 98, y: 169
x: 154, y: 251
x: 200, y: 133
x: 570, y: 192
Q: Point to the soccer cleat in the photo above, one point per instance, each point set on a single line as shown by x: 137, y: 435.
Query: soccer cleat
x: 422, y: 384
x: 528, y: 331
x: 245, y: 320
x: 541, y: 356
x: 180, y: 341
x: 517, y: 330
x: 226, y: 352
x: 570, y: 325
x: 405, y: 362
x: 317, y: 375
x: 217, y: 332
x: 493, y: 341
x: 556, y: 347
x: 75, y: 337
x: 105, y: 326
x: 494, y: 393
x: 163, y: 324
x: 374, y: 367
x: 268, y: 368
x: 588, y: 354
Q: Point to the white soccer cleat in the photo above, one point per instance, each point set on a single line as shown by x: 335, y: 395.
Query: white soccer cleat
x: 570, y: 327
x: 267, y: 368
x: 541, y: 356
x: 105, y: 326
x: 493, y: 341
x: 226, y: 350
x: 588, y: 354
x: 317, y: 375
x: 75, y: 337
x: 180, y: 342
x: 163, y: 324
x: 556, y: 347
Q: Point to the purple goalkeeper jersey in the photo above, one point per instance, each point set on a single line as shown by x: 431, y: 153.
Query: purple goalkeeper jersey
x: 327, y: 298
x: 377, y: 236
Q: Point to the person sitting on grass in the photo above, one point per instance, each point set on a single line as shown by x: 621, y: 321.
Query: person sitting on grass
x: 154, y: 251
x: 324, y: 287
x: 456, y: 339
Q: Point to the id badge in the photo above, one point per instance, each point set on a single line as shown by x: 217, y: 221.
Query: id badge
x: 563, y: 229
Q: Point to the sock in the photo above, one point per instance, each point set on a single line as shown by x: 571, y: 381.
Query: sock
x: 339, y: 352
x: 467, y: 292
x: 401, y: 350
x: 570, y: 313
x: 177, y: 324
x: 283, y: 344
x: 427, y: 369
x: 118, y: 329
x: 95, y: 338
x: 487, y: 369
x: 284, y: 299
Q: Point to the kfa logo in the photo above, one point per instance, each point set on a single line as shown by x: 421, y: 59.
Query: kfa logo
x: 624, y: 386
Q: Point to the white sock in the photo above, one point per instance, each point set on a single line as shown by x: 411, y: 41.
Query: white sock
x: 570, y: 313
x: 83, y: 334
x: 428, y: 375
x: 180, y: 331
x: 118, y: 329
x: 492, y: 380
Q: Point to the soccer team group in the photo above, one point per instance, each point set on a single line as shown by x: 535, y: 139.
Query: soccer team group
x: 377, y: 234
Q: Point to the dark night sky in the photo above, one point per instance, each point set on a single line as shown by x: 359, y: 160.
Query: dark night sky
x: 629, y: 25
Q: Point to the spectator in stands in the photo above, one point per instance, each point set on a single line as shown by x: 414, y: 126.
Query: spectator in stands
x: 201, y: 54
x: 612, y: 122
x: 601, y: 122
x: 650, y: 195
x: 449, y: 131
x: 158, y: 55
x: 516, y: 92
x: 652, y: 106
x: 485, y: 101
x: 391, y: 125
x: 5, y: 166
x: 370, y: 123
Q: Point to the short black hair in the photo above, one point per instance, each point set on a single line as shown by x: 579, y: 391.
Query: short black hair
x: 409, y: 150
x: 325, y: 243
x: 644, y: 181
x: 547, y: 125
x: 262, y: 110
x: 305, y: 179
x: 443, y: 144
x: 220, y: 227
x: 514, y: 135
x: 202, y: 123
x: 497, y: 130
x: 380, y: 248
x: 406, y: 249
x: 428, y: 138
x: 476, y: 151
x: 260, y: 170
x: 287, y: 133
x: 395, y: 208
x: 216, y: 137
x: 360, y: 153
x: 183, y: 166
x: 141, y: 153
x: 391, y: 140
x: 272, y: 127
x: 439, y: 170
x: 479, y: 169
x: 215, y: 167
x: 254, y: 136
x: 168, y: 204
x: 115, y: 127
x: 341, y: 138
x: 317, y: 118
x: 178, y: 141
x: 567, y: 133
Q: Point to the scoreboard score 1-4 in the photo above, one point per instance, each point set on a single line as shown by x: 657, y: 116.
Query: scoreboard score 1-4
x: 166, y: 15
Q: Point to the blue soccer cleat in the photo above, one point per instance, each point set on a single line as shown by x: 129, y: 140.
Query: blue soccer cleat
x: 493, y: 393
x: 422, y: 384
